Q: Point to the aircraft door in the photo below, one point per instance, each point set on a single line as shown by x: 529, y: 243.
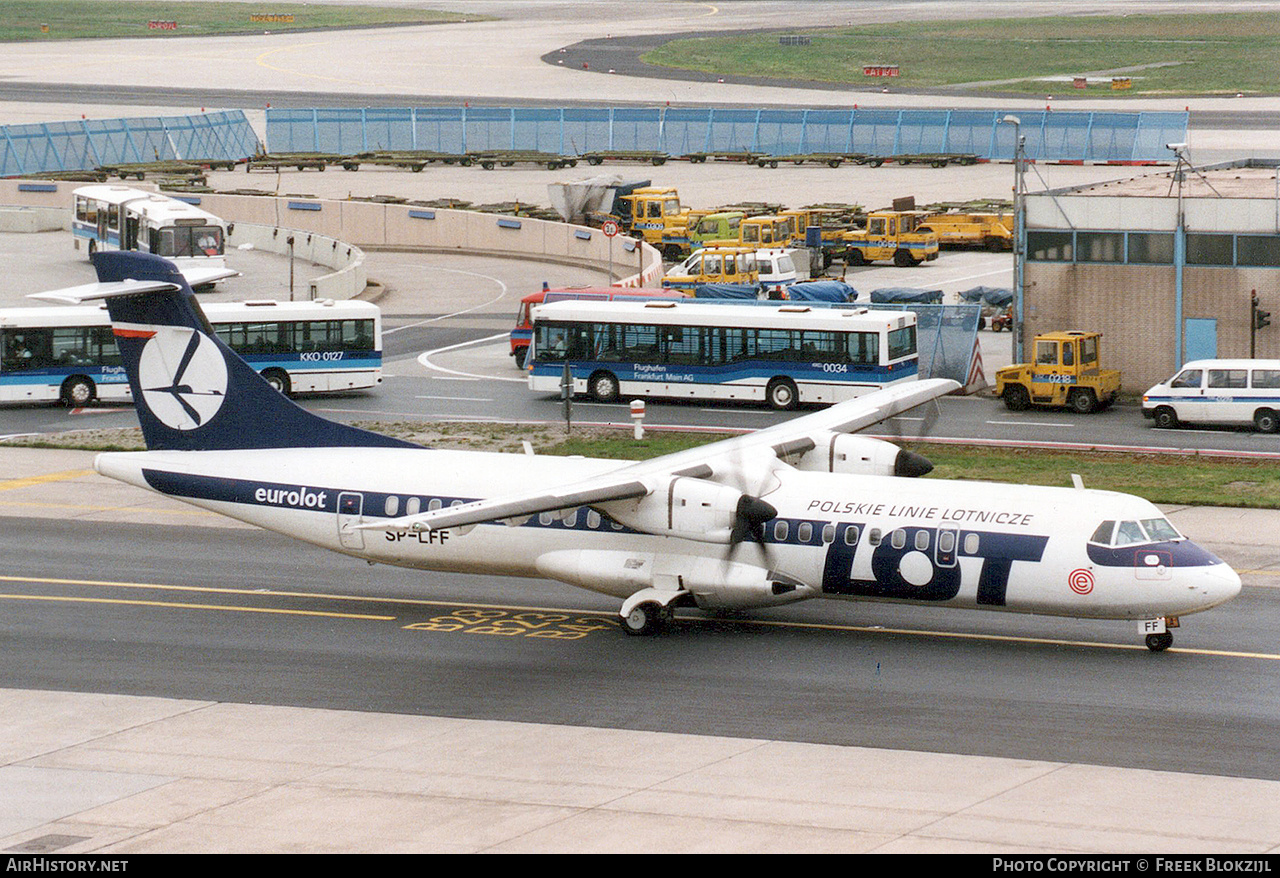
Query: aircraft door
x: 350, y: 508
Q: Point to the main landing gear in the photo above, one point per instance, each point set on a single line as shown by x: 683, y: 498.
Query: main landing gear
x: 649, y: 610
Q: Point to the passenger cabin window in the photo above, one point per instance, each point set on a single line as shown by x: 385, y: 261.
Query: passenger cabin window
x: 1187, y: 378
x: 898, y: 539
x: 1228, y: 378
x: 780, y: 529
x: 804, y: 532
x: 851, y: 536
x: 1268, y: 378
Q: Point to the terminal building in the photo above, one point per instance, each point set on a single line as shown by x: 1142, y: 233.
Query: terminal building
x: 1164, y: 265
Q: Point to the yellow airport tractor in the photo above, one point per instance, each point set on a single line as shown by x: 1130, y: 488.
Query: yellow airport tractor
x: 988, y: 231
x: 891, y: 234
x: 704, y: 227
x: 1064, y: 372
x: 650, y: 212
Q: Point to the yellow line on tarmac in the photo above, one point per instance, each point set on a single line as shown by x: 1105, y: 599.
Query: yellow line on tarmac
x: 230, y: 609
x: 814, y: 626
x: 12, y: 484
x: 261, y: 62
x: 1003, y: 638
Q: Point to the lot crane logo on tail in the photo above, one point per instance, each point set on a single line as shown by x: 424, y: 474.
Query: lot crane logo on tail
x: 183, y: 377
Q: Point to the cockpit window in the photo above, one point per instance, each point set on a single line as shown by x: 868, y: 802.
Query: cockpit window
x: 1130, y: 532
x: 1103, y: 533
x: 1159, y: 529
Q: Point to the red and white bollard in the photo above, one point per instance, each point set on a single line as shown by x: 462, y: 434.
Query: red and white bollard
x: 637, y: 415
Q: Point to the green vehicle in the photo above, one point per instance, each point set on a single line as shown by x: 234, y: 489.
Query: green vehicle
x: 679, y: 241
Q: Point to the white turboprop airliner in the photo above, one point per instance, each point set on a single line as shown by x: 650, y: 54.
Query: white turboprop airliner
x: 799, y: 510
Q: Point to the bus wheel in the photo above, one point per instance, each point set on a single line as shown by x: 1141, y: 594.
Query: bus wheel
x: 604, y: 386
x: 1266, y: 420
x: 1165, y: 418
x: 278, y: 379
x: 782, y: 394
x: 77, y: 391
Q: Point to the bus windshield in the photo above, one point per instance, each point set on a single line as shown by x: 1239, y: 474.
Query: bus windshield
x: 188, y: 241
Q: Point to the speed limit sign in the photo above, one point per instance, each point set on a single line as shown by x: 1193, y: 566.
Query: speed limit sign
x: 609, y: 227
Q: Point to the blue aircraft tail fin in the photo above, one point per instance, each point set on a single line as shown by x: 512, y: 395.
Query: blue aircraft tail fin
x: 192, y: 392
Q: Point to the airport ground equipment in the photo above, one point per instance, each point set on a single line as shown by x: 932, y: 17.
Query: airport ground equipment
x: 1065, y: 372
x: 890, y: 235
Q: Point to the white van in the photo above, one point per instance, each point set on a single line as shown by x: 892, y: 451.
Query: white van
x: 1233, y: 392
x: 777, y: 272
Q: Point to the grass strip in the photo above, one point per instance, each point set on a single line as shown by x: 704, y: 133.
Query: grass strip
x: 1160, y: 478
x: 26, y: 20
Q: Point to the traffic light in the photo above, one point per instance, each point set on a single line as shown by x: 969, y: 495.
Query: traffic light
x: 1260, y: 318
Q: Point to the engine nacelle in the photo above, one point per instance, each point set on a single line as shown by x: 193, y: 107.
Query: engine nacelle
x: 694, y: 509
x: 847, y: 454
x: 714, y: 583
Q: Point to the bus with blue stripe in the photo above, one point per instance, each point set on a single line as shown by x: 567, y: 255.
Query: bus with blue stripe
x: 68, y: 353
x: 108, y: 217
x: 783, y: 355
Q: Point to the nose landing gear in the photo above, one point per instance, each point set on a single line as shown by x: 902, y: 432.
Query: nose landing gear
x: 1159, y: 642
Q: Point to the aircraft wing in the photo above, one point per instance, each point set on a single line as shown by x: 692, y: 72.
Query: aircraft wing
x: 760, y: 450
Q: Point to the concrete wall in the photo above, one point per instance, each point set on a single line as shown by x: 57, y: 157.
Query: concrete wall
x: 372, y: 226
x: 34, y: 219
x: 349, y: 278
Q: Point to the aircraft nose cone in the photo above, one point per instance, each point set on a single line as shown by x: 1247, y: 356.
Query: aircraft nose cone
x: 910, y: 464
x: 1225, y: 583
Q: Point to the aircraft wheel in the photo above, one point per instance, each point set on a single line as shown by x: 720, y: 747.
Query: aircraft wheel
x: 1266, y: 421
x: 782, y: 394
x: 278, y: 379
x: 604, y: 386
x: 1165, y: 418
x: 644, y: 619
x: 77, y: 391
x: 1159, y: 642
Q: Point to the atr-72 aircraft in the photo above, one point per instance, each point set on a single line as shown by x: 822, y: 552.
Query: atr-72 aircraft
x: 799, y: 510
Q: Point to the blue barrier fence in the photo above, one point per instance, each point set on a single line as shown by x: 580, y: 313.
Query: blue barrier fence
x: 1051, y: 136
x: 86, y: 144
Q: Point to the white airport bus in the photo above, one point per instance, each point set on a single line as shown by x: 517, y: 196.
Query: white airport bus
x: 68, y: 353
x: 119, y: 218
x: 781, y: 355
x: 1226, y: 392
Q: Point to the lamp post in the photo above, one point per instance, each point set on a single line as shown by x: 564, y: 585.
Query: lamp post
x: 1019, y: 227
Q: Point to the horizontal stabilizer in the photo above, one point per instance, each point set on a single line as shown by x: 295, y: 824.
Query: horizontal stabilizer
x: 93, y: 292
x: 198, y: 277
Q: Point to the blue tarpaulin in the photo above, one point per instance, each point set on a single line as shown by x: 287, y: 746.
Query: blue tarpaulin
x: 907, y: 294
x: 821, y: 291
x: 994, y: 296
x: 727, y: 291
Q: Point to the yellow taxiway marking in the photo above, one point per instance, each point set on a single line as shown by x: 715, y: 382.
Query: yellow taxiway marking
x: 13, y: 484
x: 181, y: 606
x: 261, y: 62
x: 815, y: 626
